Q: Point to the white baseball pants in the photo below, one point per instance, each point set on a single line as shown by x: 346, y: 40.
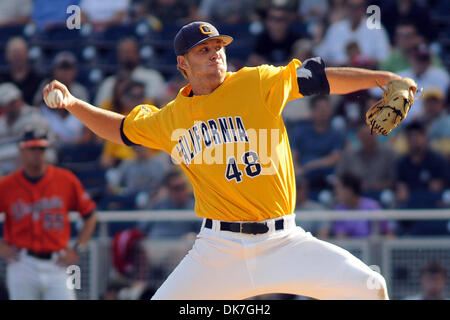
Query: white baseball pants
x: 224, y: 265
x: 31, y: 278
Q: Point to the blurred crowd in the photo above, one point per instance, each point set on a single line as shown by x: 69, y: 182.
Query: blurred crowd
x: 121, y: 55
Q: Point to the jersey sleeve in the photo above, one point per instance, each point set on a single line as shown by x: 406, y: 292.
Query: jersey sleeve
x: 295, y: 80
x: 279, y: 85
x: 142, y: 126
x: 81, y: 201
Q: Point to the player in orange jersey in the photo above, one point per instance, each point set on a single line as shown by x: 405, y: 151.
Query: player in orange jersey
x: 36, y: 201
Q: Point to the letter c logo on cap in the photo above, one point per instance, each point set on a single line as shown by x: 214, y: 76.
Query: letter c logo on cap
x: 205, y: 29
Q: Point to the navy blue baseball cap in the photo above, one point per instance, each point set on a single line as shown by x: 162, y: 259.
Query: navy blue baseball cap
x: 195, y: 33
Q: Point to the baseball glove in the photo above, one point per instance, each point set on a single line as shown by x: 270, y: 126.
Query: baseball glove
x: 392, y: 108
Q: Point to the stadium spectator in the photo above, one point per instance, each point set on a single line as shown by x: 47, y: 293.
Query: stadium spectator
x: 15, y: 12
x: 348, y: 190
x: 304, y: 203
x: 179, y: 197
x: 394, y: 11
x: 422, y: 175
x: 16, y: 116
x: 372, y: 160
x: 298, y: 109
x: 406, y: 39
x: 224, y: 12
x: 169, y: 12
x: 172, y: 88
x: 373, y: 43
x: 20, y: 71
x: 275, y: 44
x: 337, y: 12
x: 145, y: 173
x: 316, y: 146
x: 433, y: 279
x: 437, y: 121
x: 129, y: 64
x: 127, y: 94
x: 313, y: 10
x: 48, y: 14
x: 426, y: 75
x: 102, y: 14
x: 66, y: 128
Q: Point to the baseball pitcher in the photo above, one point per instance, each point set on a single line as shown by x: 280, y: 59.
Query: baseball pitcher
x: 226, y: 131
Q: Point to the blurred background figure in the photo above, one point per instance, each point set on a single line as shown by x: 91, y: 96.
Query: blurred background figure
x: 66, y: 128
x: 20, y: 72
x: 305, y: 203
x: 348, y: 193
x: 432, y: 282
x: 437, y: 121
x: 175, y: 196
x: 414, y: 10
x: 426, y: 75
x: 129, y: 64
x: 372, y: 43
x: 15, y: 12
x: 127, y: 94
x: 316, y: 146
x: 102, y: 14
x: 16, y: 116
x: 406, y: 38
x: 224, y: 12
x: 274, y: 45
x: 143, y: 174
x: 372, y: 160
x: 422, y: 177
x: 168, y: 12
x: 48, y: 14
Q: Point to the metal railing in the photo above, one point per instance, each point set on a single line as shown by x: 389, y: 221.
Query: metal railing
x: 398, y: 259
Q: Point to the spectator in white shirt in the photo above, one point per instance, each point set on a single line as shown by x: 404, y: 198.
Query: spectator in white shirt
x: 104, y: 13
x: 15, y: 118
x: 128, y: 57
x: 426, y: 75
x: 373, y: 42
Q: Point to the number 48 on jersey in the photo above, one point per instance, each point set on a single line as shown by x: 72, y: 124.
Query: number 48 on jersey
x: 252, y: 167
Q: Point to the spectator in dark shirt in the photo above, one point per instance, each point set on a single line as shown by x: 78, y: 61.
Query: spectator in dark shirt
x: 168, y: 12
x: 317, y: 147
x: 20, y: 71
x: 372, y: 160
x: 421, y: 170
x: 178, y: 197
x: 422, y: 176
x: 438, y: 121
x: 275, y: 44
x: 432, y: 282
x: 397, y: 10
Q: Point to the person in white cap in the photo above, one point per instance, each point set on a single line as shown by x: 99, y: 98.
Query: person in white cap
x: 16, y: 115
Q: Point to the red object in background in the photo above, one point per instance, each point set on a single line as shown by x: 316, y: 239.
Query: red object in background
x: 122, y: 249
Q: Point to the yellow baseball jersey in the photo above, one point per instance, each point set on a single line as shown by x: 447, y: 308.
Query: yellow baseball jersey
x: 232, y: 143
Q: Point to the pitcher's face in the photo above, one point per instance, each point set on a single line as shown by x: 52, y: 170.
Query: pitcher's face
x: 208, y: 59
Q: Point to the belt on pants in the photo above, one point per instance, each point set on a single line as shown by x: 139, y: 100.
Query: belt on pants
x: 40, y: 255
x: 245, y: 227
